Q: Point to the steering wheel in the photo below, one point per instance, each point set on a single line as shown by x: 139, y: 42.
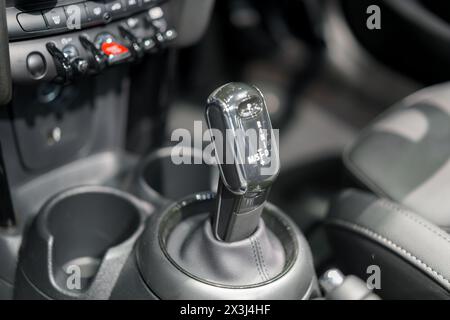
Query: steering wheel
x: 414, y: 37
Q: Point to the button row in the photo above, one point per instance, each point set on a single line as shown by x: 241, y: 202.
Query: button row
x: 81, y: 14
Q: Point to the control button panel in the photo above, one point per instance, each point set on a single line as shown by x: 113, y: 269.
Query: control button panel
x: 67, y: 58
x: 71, y: 17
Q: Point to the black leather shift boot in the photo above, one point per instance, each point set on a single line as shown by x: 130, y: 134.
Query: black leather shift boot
x: 254, y: 260
x: 179, y: 258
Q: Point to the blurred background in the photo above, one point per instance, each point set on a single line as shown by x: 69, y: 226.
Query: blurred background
x: 325, y: 76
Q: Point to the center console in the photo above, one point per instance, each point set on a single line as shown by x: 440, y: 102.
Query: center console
x: 97, y: 242
x: 83, y: 217
x: 77, y: 71
x: 66, y: 40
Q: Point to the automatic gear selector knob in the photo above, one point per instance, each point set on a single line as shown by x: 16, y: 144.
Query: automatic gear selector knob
x: 247, y: 155
x: 233, y: 245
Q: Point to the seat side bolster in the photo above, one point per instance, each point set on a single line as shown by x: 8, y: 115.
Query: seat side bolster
x: 419, y: 242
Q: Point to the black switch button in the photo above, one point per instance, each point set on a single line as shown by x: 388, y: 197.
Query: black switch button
x: 56, y: 18
x: 97, y: 12
x: 115, y: 7
x: 36, y: 65
x: 31, y: 21
x: 132, y: 5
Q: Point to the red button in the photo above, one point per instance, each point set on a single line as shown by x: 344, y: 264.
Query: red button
x: 113, y: 48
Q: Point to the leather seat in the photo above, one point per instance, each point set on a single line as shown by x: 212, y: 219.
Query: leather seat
x: 403, y: 158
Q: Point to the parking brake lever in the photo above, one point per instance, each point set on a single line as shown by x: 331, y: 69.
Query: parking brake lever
x: 247, y: 155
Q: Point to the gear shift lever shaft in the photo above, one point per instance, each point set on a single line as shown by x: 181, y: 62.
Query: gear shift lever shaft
x: 248, y: 158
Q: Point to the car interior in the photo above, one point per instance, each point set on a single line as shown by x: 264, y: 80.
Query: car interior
x: 224, y: 150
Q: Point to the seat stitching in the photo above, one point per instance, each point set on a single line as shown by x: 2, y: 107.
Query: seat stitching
x: 388, y: 242
x: 407, y: 214
x: 446, y: 229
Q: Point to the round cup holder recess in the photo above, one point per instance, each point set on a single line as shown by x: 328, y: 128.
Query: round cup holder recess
x: 160, y: 181
x: 74, y: 233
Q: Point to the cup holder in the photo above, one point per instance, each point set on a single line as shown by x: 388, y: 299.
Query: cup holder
x: 161, y: 181
x: 75, y: 232
x: 84, y: 226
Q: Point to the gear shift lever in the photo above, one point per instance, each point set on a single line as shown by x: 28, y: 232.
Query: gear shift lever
x: 233, y: 245
x: 248, y: 158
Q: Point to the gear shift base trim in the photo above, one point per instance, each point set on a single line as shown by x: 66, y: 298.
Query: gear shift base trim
x: 169, y: 280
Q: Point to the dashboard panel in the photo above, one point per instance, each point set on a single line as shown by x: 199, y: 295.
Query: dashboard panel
x: 64, y: 40
x: 52, y: 18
